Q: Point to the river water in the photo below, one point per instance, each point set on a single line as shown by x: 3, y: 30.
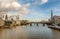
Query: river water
x: 29, y: 32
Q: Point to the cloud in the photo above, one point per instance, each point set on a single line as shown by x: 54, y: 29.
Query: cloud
x: 12, y: 5
x: 24, y: 9
x: 39, y: 2
x: 27, y: 5
x: 9, y: 5
x: 15, y: 5
x: 44, y: 1
x: 38, y: 15
x: 7, y: 0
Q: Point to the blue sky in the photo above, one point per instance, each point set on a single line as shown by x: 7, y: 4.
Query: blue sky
x: 41, y: 10
x: 35, y: 9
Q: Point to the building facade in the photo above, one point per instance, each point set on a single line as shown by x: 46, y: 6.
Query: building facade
x: 56, y: 20
x: 1, y: 22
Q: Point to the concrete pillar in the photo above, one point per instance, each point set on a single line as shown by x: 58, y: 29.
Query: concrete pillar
x: 36, y: 24
x: 30, y: 24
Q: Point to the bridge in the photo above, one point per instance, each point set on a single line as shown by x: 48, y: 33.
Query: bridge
x: 35, y: 23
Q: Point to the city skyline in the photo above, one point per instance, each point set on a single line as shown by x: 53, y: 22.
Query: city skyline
x: 32, y: 9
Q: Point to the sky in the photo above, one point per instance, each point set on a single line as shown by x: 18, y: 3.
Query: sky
x: 34, y: 10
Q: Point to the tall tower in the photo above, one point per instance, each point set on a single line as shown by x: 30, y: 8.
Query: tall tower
x: 6, y: 17
x: 51, y: 16
x: 17, y: 17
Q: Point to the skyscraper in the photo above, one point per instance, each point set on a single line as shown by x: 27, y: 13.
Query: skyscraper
x: 51, y: 16
x: 6, y: 17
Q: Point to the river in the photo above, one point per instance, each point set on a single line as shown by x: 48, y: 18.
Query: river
x: 29, y: 32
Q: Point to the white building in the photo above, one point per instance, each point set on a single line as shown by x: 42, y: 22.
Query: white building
x: 1, y: 22
x: 56, y: 20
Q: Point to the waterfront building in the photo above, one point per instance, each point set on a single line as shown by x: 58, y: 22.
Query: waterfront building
x: 56, y: 20
x: 6, y: 17
x: 1, y: 21
x: 18, y: 23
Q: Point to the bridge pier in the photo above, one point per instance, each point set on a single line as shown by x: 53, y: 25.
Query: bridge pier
x: 43, y: 24
x: 36, y: 24
x: 30, y: 24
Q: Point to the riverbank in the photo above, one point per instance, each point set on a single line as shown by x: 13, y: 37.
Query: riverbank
x: 54, y: 27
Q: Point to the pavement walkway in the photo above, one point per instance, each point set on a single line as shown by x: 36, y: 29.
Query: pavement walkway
x: 54, y: 27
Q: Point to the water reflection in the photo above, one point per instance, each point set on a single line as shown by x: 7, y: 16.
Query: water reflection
x: 26, y: 32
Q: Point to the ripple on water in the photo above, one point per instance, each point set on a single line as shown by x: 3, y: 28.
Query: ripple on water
x: 26, y: 32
